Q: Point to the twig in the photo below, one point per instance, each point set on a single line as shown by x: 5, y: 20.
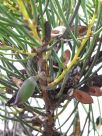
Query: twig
x: 76, y: 57
x: 48, y: 123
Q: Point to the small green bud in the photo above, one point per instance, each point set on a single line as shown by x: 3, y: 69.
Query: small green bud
x: 27, y: 89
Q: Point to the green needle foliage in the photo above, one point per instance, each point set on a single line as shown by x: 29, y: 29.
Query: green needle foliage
x: 50, y: 58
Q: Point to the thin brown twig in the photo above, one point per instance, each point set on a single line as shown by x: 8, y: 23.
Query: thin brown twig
x: 48, y: 122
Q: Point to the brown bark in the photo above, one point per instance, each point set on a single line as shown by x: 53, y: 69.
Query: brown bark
x: 48, y: 122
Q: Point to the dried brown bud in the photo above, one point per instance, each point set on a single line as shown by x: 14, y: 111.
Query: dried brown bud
x: 82, y: 97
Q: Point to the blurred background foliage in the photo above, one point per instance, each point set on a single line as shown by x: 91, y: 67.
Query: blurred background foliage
x: 50, y: 67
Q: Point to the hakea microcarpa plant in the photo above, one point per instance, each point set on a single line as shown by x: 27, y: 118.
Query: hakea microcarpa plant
x: 32, y: 33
